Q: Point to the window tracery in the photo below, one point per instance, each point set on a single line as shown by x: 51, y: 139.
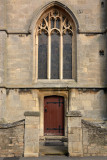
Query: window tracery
x: 55, y: 20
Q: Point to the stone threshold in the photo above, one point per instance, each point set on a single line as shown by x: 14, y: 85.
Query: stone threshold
x: 62, y: 138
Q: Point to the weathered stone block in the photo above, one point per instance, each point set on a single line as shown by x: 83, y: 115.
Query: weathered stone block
x: 36, y: 114
x: 75, y: 134
x: 93, y: 150
x: 77, y: 147
x: 32, y: 120
x: 31, y: 136
x: 74, y: 122
x: 85, y: 137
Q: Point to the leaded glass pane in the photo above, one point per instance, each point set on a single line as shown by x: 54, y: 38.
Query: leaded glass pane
x: 42, y: 56
x: 43, y: 23
x: 58, y: 23
x: 67, y: 56
x: 52, y: 22
x: 55, y: 42
x: 55, y: 13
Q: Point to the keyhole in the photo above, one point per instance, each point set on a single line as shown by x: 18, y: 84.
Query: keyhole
x: 45, y: 109
x: 102, y: 4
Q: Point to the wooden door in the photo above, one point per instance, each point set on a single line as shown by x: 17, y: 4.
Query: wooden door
x: 54, y: 115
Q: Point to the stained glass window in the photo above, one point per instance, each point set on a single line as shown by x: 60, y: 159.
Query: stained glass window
x: 55, y: 39
x: 67, y: 56
x: 55, y: 36
x: 42, y: 56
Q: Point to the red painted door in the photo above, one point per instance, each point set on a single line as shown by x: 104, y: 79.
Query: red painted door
x: 54, y: 115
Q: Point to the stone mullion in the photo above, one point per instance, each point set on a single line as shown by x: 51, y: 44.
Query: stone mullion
x: 61, y: 51
x: 61, y: 57
x: 49, y: 51
x: 36, y: 57
x: 49, y: 56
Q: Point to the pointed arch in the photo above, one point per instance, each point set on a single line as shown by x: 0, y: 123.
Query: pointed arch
x: 43, y: 8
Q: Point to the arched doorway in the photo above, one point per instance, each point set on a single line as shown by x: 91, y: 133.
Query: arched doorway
x: 54, y: 115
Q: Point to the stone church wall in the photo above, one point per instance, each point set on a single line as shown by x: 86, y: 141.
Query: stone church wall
x: 21, y: 92
x: 19, y: 60
x: 12, y: 139
x: 2, y: 57
x: 16, y: 69
x: 2, y: 104
x: 92, y: 103
x: 94, y: 139
x: 91, y: 66
x: 26, y: 10
x: 16, y: 102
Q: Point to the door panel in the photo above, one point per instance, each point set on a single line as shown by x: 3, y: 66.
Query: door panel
x: 54, y: 115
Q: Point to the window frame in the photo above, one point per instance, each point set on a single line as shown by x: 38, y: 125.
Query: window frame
x: 74, y: 59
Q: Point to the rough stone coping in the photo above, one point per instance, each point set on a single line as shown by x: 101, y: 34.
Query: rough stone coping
x: 10, y: 125
x: 94, y: 125
x: 74, y: 114
x: 36, y: 114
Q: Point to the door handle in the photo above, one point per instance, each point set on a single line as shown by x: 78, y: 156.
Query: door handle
x: 45, y: 109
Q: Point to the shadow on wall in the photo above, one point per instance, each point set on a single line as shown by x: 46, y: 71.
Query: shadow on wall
x: 106, y: 54
x: 103, y: 55
x: 105, y: 110
x: 102, y: 43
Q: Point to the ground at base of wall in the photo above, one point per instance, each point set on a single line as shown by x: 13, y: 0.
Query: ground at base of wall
x: 56, y: 158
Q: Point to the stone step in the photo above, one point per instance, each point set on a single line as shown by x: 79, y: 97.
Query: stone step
x: 53, y: 150
x: 54, y: 138
x: 53, y: 143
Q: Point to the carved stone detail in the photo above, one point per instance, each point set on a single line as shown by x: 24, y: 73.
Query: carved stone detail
x: 55, y: 20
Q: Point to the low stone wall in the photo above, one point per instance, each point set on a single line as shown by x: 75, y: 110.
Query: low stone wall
x: 12, y: 139
x: 94, y: 139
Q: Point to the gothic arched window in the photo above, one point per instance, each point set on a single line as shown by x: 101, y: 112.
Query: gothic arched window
x: 55, y: 36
